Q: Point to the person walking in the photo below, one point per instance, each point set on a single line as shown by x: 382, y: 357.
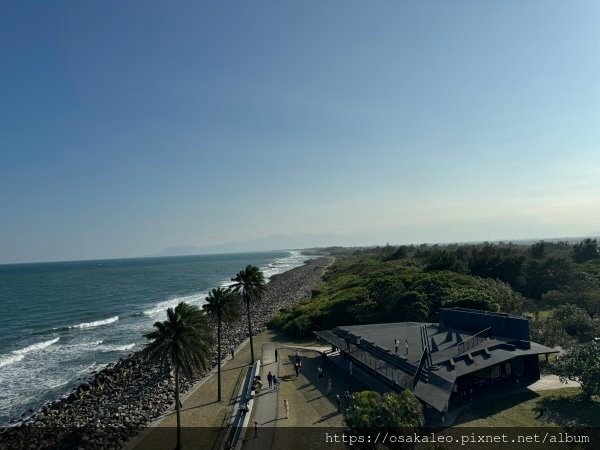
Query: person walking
x: 297, y: 369
x: 406, y: 343
x: 350, y: 366
x: 338, y: 402
x: 232, y: 351
x: 286, y: 405
x: 275, y: 382
x: 328, y: 385
x: 347, y: 398
x: 255, y: 429
x: 396, y: 345
x: 320, y: 373
x: 270, y: 380
x: 275, y: 354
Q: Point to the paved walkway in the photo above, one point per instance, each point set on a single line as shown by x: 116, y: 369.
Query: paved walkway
x: 547, y: 382
x: 266, y: 405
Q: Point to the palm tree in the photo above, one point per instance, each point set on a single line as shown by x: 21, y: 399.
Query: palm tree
x: 250, y: 283
x: 183, y: 342
x: 224, y: 305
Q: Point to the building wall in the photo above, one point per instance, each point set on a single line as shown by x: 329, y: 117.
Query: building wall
x: 474, y: 321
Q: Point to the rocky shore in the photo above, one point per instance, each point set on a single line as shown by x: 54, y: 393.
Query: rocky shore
x: 110, y: 408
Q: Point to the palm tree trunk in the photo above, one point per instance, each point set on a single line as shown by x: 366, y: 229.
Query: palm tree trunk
x: 177, y: 407
x: 219, y: 356
x: 250, y: 329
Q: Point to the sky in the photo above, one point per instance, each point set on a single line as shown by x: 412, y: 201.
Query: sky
x: 131, y: 127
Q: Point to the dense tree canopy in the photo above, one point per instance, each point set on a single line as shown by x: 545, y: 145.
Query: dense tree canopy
x: 372, y: 410
x: 582, y: 364
x: 384, y: 284
x: 586, y: 250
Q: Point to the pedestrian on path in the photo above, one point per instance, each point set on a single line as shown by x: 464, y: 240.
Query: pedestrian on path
x: 347, y: 398
x: 407, y: 346
x: 338, y: 402
x: 297, y: 369
x: 232, y: 351
x: 270, y: 380
x: 350, y: 366
x: 286, y: 405
x: 275, y: 382
x: 328, y: 385
x: 320, y: 372
x: 396, y: 345
x: 275, y: 354
x: 255, y: 429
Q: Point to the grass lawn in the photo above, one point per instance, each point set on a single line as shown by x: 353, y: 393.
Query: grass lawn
x: 559, y: 407
x: 201, y: 409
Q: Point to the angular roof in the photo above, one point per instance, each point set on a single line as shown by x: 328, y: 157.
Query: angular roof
x: 450, y: 352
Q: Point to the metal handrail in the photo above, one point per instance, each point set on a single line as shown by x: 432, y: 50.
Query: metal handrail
x: 473, y: 341
x: 378, y: 362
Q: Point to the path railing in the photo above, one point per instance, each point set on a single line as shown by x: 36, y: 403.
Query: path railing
x: 393, y: 369
x: 241, y: 417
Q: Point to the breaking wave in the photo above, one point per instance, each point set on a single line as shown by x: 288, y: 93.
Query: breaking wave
x: 18, y: 355
x: 97, y: 323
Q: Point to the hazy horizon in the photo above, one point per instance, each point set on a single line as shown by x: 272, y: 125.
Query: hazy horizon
x: 128, y: 129
x: 262, y: 246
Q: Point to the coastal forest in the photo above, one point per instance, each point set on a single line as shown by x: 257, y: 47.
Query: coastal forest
x: 555, y: 284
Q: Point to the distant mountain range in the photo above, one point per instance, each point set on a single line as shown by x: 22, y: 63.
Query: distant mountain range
x: 273, y: 242
x: 316, y: 240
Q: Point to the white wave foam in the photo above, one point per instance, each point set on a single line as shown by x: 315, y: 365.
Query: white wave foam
x: 18, y: 355
x: 5, y: 360
x: 34, y: 347
x: 279, y: 265
x: 97, y: 323
x: 117, y: 348
x: 160, y: 309
x: 80, y: 347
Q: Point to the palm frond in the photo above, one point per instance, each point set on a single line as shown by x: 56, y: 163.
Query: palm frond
x: 184, y: 340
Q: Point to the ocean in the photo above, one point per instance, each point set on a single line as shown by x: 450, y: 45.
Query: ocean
x: 61, y: 321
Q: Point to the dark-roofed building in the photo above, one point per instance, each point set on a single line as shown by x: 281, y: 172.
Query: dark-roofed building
x: 468, y: 350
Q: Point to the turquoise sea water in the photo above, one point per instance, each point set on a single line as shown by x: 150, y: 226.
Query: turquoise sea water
x: 61, y: 321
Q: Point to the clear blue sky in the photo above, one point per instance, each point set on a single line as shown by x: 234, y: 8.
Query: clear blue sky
x: 129, y: 127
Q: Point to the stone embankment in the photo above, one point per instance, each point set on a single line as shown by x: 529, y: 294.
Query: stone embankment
x: 110, y: 408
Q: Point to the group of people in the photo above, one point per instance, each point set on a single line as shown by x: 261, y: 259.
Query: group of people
x: 345, y: 403
x: 273, y: 381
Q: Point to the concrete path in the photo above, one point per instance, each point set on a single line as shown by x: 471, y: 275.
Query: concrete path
x: 266, y: 405
x: 547, y: 382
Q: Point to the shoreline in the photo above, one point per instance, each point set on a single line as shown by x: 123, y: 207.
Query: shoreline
x: 114, y: 404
